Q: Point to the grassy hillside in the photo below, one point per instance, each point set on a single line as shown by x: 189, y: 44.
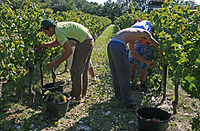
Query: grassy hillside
x: 99, y: 111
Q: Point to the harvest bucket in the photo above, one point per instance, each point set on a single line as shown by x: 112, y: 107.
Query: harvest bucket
x: 152, y: 119
x: 58, y: 108
x: 57, y: 86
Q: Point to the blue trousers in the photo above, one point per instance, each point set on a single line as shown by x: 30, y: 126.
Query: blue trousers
x: 118, y: 55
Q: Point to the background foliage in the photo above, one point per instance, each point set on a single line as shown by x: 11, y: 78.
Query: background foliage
x: 20, y: 36
x: 177, y: 30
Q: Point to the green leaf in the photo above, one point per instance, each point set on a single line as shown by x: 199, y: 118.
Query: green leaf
x: 198, y: 9
x: 192, y: 85
x: 56, y: 123
x: 198, y: 60
x: 189, y: 78
x: 175, y: 7
x: 175, y: 44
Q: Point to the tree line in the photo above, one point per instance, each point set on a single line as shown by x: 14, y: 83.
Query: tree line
x: 109, y: 9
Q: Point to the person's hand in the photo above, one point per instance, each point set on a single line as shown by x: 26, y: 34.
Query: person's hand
x: 51, y: 65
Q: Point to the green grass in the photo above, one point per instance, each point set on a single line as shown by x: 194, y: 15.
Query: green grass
x: 99, y: 111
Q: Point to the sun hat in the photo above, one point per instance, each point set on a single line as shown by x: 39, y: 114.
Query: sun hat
x: 46, y: 24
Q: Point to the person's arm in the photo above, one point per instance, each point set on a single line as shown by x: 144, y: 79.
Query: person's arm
x: 150, y: 38
x: 139, y: 57
x: 49, y: 44
x: 152, y: 41
x: 66, y: 54
x: 159, y: 50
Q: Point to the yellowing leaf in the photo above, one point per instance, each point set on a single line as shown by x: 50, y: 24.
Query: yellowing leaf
x: 183, y: 27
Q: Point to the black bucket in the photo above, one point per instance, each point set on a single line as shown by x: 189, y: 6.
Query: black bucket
x: 152, y: 119
x: 57, y: 86
x: 58, y: 109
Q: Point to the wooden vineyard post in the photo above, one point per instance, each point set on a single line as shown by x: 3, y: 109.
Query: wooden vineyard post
x: 31, y: 75
x: 7, y: 78
x: 53, y: 75
x: 1, y: 85
x: 41, y: 74
x: 53, y: 72
x: 164, y: 81
x: 175, y: 102
x: 66, y: 65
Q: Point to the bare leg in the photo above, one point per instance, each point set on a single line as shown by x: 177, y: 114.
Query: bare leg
x: 143, y: 76
x: 91, y: 72
x: 133, y: 69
